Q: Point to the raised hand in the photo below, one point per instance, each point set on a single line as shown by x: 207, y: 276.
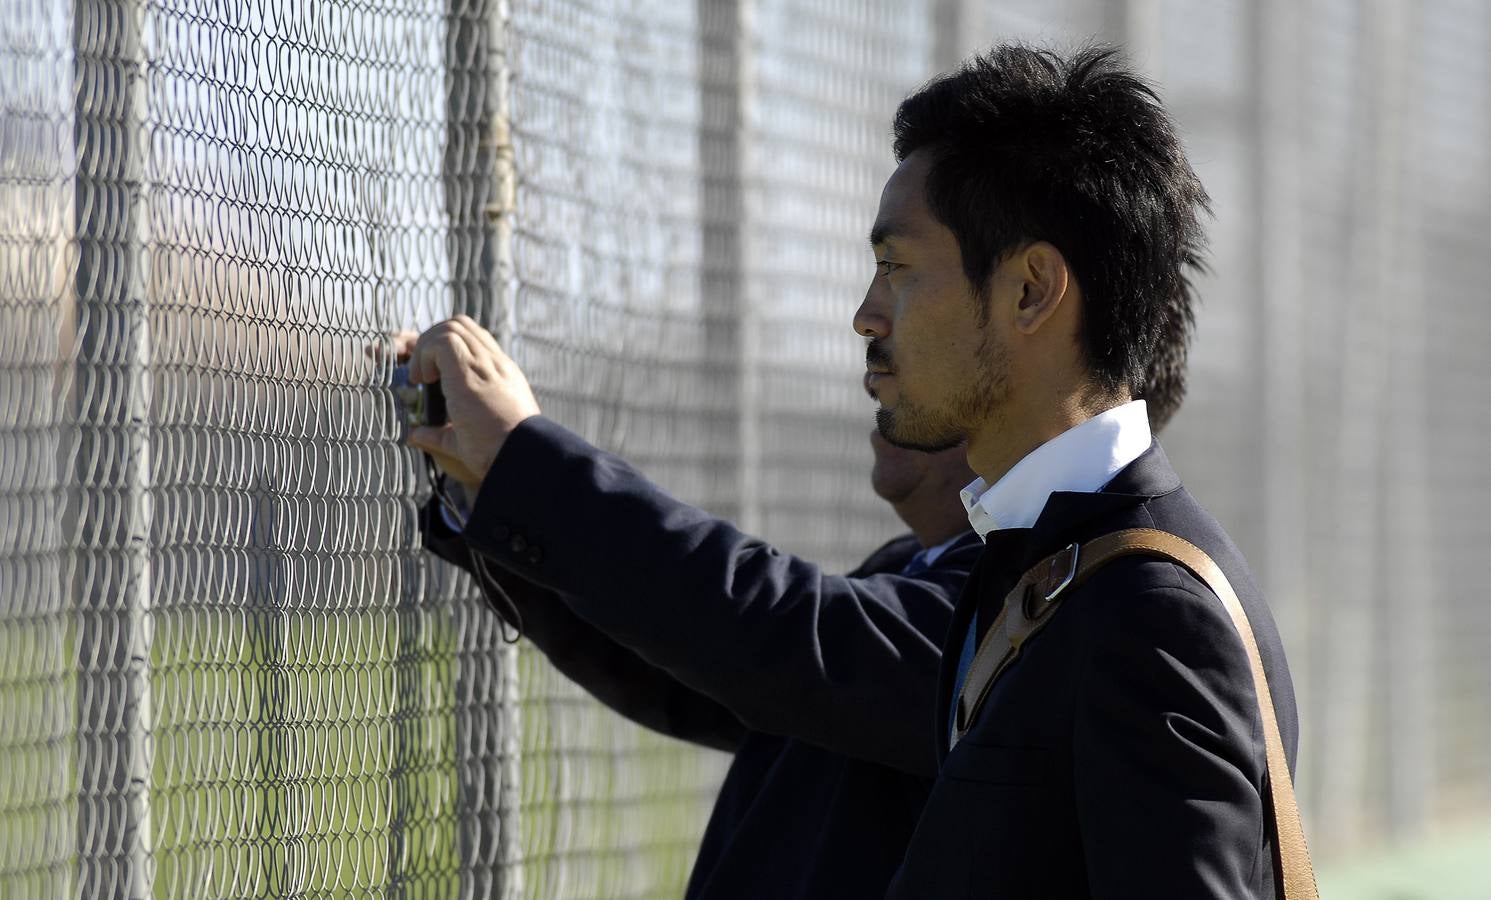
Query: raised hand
x: 486, y: 395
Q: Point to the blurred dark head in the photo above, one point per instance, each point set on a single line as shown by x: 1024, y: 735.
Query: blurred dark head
x: 900, y: 475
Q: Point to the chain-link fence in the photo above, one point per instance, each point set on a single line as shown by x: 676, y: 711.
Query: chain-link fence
x: 227, y: 668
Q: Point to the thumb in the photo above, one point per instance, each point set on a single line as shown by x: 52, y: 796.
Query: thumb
x: 437, y: 441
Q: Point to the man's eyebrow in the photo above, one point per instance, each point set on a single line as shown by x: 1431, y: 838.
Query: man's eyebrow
x: 885, y: 230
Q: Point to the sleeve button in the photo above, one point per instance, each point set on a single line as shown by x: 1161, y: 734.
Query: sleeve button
x: 535, y: 555
x: 501, y: 532
x: 518, y: 544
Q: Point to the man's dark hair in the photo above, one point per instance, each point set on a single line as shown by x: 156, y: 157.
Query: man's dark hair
x: 1029, y: 145
x: 1164, y: 384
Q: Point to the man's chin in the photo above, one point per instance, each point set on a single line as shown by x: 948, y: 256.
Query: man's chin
x: 903, y: 435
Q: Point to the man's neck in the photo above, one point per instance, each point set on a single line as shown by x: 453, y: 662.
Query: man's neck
x: 1003, y: 440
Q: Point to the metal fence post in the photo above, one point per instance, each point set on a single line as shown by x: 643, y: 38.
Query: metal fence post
x: 1409, y: 592
x: 110, y: 508
x: 1278, y: 178
x: 727, y: 99
x: 479, y: 198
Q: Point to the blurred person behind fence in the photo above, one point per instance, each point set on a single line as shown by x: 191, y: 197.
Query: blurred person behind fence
x: 816, y: 683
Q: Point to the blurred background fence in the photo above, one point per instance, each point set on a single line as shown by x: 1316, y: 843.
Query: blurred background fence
x: 227, y: 668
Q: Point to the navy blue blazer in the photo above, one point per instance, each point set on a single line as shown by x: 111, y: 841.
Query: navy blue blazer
x: 821, y: 684
x: 1121, y: 756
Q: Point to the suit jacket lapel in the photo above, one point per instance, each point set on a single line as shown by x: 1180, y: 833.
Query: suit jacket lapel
x: 1008, y: 553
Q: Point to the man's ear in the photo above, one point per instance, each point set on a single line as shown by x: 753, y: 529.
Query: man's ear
x: 1045, y: 279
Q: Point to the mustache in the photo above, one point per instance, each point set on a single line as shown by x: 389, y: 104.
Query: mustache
x: 876, y: 356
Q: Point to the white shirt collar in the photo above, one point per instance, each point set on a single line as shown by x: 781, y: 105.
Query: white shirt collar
x: 1083, y: 458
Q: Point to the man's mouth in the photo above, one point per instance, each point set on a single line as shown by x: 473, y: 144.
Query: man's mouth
x: 873, y: 377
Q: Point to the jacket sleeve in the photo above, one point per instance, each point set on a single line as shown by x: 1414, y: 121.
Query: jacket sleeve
x: 1168, y: 760
x: 613, y: 674
x: 847, y: 664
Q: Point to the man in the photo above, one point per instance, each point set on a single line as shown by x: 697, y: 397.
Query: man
x: 838, y: 667
x: 817, y: 803
x: 820, y: 685
x: 1035, y: 237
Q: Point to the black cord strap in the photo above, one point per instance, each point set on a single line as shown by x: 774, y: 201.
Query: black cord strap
x: 502, y: 603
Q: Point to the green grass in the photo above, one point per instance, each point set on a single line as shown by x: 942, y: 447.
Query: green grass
x: 321, y: 767
x: 1455, y: 865
x: 38, y: 806
x: 317, y: 755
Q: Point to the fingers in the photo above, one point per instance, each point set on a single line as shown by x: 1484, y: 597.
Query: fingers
x: 474, y: 329
x: 455, y: 344
x: 485, y: 339
x: 403, y: 342
x: 442, y: 350
x: 438, y: 442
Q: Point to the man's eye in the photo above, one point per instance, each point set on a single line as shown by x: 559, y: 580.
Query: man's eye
x: 885, y: 266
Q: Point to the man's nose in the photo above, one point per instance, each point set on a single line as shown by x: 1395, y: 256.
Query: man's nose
x: 871, y: 320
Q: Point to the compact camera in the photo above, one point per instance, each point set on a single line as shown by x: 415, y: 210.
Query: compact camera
x: 419, y: 404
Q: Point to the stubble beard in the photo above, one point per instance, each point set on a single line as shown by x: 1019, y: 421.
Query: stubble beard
x: 916, y: 426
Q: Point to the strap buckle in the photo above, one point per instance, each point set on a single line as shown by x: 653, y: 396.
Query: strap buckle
x: 1062, y: 571
x: 1071, y: 553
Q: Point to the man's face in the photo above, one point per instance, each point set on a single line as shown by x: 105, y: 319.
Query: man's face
x: 937, y: 368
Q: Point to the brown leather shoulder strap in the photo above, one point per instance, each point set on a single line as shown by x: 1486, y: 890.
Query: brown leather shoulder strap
x: 1028, y: 607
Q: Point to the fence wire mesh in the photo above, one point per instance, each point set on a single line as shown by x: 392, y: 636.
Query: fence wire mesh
x: 38, y: 799
x: 227, y: 667
x: 232, y: 671
x: 620, y: 341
